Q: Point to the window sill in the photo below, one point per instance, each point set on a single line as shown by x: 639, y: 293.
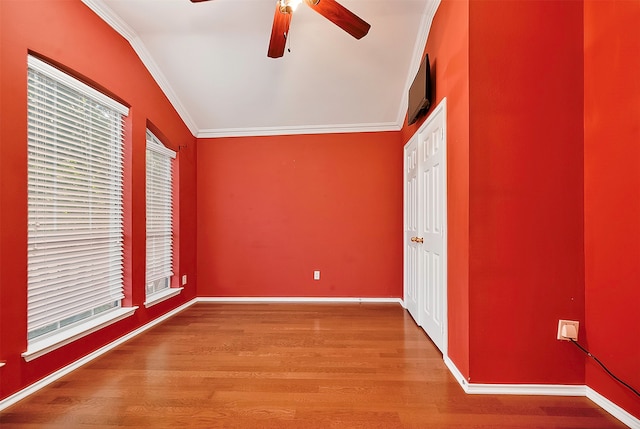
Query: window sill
x: 49, y: 344
x: 161, y: 296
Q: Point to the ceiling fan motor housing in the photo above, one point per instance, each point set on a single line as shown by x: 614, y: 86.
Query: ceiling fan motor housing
x: 330, y: 9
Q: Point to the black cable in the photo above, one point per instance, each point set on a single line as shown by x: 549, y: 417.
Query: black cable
x: 588, y: 353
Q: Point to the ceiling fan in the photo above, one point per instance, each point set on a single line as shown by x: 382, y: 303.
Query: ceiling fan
x: 330, y: 9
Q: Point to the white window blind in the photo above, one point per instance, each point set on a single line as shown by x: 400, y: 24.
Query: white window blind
x: 159, y: 215
x: 75, y: 142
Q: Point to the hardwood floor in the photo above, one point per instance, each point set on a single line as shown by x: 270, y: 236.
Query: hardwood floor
x: 284, y: 366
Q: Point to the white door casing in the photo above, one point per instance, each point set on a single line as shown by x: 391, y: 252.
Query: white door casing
x: 430, y: 239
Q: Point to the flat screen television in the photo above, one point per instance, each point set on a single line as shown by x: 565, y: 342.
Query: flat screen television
x: 420, y: 92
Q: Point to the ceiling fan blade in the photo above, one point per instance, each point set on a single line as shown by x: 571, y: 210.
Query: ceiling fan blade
x: 279, y: 33
x: 340, y: 16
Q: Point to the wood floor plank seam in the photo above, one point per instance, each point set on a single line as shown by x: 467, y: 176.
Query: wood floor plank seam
x: 284, y: 365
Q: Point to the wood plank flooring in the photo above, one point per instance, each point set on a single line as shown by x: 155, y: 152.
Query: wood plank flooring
x: 284, y: 366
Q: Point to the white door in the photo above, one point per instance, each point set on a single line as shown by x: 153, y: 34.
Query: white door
x: 425, y: 227
x: 432, y: 182
x: 411, y: 227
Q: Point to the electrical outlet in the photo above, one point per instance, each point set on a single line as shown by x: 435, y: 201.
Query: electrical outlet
x: 568, y: 330
x: 316, y: 275
x: 184, y: 279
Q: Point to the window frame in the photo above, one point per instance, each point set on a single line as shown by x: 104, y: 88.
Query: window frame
x: 159, y: 213
x: 64, y: 83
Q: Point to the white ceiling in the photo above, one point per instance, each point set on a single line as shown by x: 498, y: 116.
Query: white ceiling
x: 210, y: 59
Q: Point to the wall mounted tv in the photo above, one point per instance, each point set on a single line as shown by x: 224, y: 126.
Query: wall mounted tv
x: 420, y: 92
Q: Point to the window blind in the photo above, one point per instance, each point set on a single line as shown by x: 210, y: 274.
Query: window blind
x: 159, y: 215
x: 75, y: 143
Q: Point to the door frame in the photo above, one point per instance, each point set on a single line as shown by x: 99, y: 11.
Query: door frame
x: 439, y: 113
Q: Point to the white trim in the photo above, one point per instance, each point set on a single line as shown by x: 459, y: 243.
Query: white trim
x: 613, y: 409
x: 456, y: 373
x: 526, y: 389
x: 544, y: 389
x: 155, y: 145
x: 58, y: 75
x: 445, y: 221
x: 7, y: 402
x: 320, y: 300
x: 162, y: 296
x: 513, y: 389
x: 438, y: 115
x: 418, y: 53
x: 115, y: 22
x: 282, y: 131
x: 41, y: 347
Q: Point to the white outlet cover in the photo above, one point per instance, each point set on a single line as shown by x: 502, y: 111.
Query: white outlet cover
x: 561, y: 324
x: 316, y: 275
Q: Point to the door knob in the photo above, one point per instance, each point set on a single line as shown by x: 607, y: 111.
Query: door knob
x: 417, y: 239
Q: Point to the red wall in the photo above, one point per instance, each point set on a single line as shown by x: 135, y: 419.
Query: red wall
x: 70, y: 34
x: 448, y: 49
x: 512, y: 75
x: 612, y: 195
x: 526, y: 266
x: 271, y: 210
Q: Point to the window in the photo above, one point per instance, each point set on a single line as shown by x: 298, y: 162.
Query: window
x: 159, y: 218
x: 75, y: 252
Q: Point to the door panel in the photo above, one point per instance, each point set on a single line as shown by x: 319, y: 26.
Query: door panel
x: 411, y: 228
x: 432, y: 167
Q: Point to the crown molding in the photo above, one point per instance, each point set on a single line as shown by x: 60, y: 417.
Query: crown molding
x: 294, y: 130
x: 122, y: 28
x: 418, y: 51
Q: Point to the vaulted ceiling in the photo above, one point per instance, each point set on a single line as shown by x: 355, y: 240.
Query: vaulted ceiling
x: 210, y: 58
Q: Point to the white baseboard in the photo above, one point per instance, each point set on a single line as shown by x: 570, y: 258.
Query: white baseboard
x: 513, y: 389
x: 526, y: 389
x: 470, y: 388
x: 456, y: 373
x: 543, y: 389
x: 10, y: 400
x: 285, y: 299
x: 613, y: 409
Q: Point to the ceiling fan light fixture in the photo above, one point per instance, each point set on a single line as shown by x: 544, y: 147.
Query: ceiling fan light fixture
x: 288, y: 6
x: 330, y: 9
